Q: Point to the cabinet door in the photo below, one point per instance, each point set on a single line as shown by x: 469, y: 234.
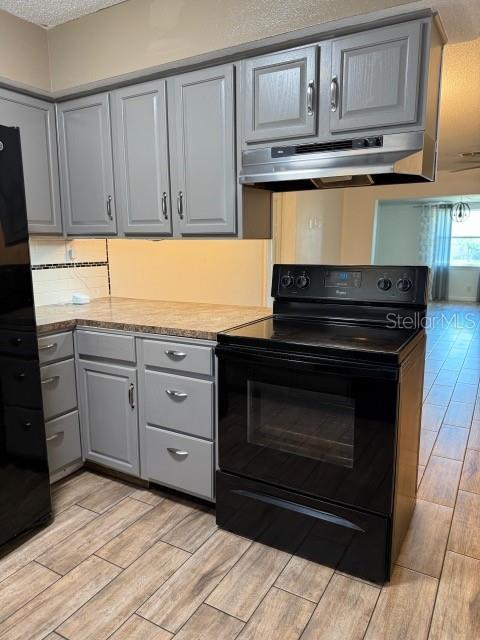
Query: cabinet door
x: 203, y: 152
x: 86, y: 167
x: 375, y: 78
x: 36, y: 120
x: 280, y: 97
x: 108, y: 415
x: 140, y: 158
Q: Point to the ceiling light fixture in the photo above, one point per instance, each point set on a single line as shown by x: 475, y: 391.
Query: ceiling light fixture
x: 460, y: 211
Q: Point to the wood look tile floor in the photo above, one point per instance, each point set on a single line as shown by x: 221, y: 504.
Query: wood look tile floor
x: 123, y: 563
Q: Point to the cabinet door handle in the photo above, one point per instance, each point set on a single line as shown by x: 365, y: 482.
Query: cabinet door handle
x: 334, y: 94
x: 180, y: 204
x: 175, y: 355
x: 176, y: 394
x: 131, y: 395
x: 45, y: 347
x: 54, y: 436
x: 50, y: 380
x: 164, y: 205
x: 109, y: 207
x: 177, y: 452
x: 310, y: 94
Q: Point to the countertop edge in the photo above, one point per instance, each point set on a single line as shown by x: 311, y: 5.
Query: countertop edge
x: 71, y: 324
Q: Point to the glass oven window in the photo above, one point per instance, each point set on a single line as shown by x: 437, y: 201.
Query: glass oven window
x: 306, y: 423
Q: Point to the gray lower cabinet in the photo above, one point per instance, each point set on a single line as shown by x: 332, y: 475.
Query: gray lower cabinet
x: 58, y: 388
x: 36, y: 121
x: 58, y: 346
x: 59, y: 395
x: 140, y: 155
x: 179, y: 461
x: 63, y: 443
x: 177, y: 414
x: 86, y: 166
x: 202, y: 146
x: 375, y: 78
x: 179, y: 403
x: 279, y: 95
x: 108, y: 414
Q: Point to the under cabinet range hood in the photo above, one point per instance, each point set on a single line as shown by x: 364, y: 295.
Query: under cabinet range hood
x: 376, y: 160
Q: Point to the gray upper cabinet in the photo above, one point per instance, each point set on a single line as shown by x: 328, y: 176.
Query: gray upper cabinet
x: 86, y: 167
x: 36, y: 120
x: 202, y: 165
x: 279, y: 95
x: 108, y: 415
x: 375, y: 78
x: 140, y: 156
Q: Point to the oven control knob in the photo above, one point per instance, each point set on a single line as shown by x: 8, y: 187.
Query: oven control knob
x: 302, y: 281
x: 384, y: 284
x: 287, y: 280
x: 404, y: 285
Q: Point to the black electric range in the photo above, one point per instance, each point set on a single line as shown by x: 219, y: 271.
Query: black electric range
x: 319, y: 415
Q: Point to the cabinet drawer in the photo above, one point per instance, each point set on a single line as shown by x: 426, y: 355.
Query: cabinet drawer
x: 180, y: 462
x: 17, y: 343
x: 106, y: 345
x: 19, y: 382
x: 58, y: 388
x: 180, y: 357
x: 179, y: 403
x: 24, y: 434
x: 63, y: 441
x: 56, y: 347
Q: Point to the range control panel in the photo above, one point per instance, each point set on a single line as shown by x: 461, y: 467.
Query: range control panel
x: 384, y: 284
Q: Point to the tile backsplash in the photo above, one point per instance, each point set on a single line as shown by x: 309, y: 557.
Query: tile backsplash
x: 62, y: 267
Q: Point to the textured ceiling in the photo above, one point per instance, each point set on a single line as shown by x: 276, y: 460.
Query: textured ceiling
x: 49, y: 13
x: 461, y: 18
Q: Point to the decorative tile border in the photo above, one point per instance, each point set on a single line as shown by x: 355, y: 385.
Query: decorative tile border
x: 68, y: 265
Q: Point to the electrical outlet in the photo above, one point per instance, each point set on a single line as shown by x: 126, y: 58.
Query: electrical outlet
x: 70, y: 253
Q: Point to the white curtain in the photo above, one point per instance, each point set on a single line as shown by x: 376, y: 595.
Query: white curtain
x: 434, y: 246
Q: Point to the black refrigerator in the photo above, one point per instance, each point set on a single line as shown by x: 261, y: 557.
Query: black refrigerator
x: 24, y: 481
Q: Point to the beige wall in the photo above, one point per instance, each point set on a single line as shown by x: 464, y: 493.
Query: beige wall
x: 23, y: 52
x: 143, y: 33
x: 360, y: 205
x: 215, y: 271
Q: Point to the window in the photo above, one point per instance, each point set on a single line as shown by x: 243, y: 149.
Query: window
x: 465, y: 243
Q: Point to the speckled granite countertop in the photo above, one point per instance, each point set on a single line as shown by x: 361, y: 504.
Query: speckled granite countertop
x: 183, y: 319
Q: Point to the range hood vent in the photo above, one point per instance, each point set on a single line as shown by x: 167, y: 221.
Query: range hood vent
x: 323, y: 147
x: 388, y: 159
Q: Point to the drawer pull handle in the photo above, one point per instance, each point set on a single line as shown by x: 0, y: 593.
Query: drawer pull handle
x: 181, y: 395
x: 45, y: 347
x: 54, y: 436
x: 177, y: 452
x: 26, y: 425
x: 50, y: 380
x: 175, y: 355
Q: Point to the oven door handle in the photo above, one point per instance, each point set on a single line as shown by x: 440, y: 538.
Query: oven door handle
x: 298, y: 508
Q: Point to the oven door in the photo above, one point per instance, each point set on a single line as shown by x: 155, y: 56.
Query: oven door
x: 323, y: 427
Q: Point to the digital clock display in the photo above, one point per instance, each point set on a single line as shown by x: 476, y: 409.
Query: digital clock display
x: 343, y: 278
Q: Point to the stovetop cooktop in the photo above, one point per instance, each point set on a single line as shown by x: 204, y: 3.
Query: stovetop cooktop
x: 317, y: 337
